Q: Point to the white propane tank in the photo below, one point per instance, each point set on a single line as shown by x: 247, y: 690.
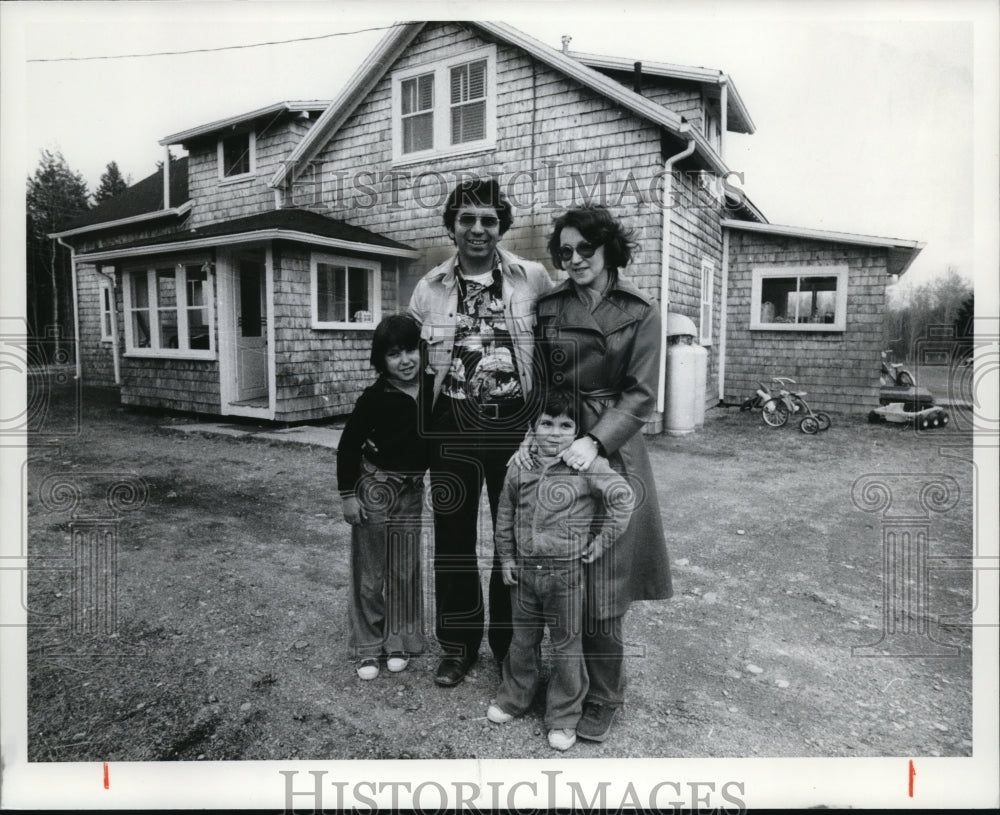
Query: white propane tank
x: 682, y: 376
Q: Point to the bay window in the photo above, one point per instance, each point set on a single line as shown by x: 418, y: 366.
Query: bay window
x: 168, y: 311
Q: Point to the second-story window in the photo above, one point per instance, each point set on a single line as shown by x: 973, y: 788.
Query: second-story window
x: 237, y: 155
x: 417, y: 113
x: 468, y: 102
x: 446, y: 107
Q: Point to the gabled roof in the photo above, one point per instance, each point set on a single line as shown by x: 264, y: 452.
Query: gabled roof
x: 395, y: 42
x: 738, y: 117
x: 901, y: 252
x: 299, y: 225
x: 140, y: 202
x: 277, y: 109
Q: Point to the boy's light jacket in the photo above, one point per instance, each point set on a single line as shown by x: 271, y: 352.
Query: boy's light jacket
x: 554, y: 511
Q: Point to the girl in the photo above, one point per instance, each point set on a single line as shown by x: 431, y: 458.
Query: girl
x: 381, y: 461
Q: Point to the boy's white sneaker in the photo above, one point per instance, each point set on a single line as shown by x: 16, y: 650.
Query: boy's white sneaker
x: 368, y: 669
x: 397, y: 662
x: 498, y: 715
x: 562, y: 740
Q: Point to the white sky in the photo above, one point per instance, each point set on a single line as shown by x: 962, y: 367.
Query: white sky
x: 864, y: 111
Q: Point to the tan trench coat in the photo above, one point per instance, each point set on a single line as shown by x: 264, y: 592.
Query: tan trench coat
x: 610, y: 357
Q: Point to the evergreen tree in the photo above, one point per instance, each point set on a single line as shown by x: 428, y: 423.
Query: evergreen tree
x: 56, y: 195
x: 112, y: 184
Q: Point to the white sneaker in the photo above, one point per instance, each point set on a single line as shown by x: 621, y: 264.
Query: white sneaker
x: 562, y: 739
x: 498, y: 715
x: 368, y: 669
x: 397, y: 662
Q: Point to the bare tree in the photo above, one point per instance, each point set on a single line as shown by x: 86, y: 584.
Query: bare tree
x: 911, y: 310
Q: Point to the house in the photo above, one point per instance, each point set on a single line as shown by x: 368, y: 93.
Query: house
x: 245, y: 278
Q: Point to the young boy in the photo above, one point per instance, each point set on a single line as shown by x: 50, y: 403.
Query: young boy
x: 552, y: 519
x: 381, y: 461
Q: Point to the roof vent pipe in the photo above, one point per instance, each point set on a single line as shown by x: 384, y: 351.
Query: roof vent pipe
x: 566, y: 40
x: 637, y: 77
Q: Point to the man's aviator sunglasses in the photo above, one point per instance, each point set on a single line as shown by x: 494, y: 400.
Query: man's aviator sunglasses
x: 584, y: 250
x: 488, y: 221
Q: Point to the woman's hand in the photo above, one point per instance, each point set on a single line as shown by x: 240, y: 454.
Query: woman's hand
x: 581, y: 453
x: 354, y: 513
x: 524, y: 456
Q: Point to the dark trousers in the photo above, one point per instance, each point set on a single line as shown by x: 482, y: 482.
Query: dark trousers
x: 461, y: 460
x: 604, y: 654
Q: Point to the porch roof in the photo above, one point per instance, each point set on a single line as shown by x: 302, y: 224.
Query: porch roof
x: 298, y: 225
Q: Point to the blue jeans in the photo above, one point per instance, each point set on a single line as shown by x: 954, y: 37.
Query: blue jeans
x: 548, y: 592
x: 385, y: 607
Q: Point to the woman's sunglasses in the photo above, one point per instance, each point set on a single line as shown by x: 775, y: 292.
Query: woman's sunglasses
x: 584, y: 250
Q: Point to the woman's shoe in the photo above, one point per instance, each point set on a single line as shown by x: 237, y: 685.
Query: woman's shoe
x: 368, y: 669
x: 595, y: 722
x: 397, y: 662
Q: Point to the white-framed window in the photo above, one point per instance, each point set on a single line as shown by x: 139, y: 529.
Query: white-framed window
x: 712, y: 123
x: 445, y: 107
x: 799, y: 298
x: 168, y: 311
x: 707, y: 292
x: 106, y: 295
x: 237, y: 154
x: 346, y: 292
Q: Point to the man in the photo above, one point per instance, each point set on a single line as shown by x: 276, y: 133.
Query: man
x: 477, y: 315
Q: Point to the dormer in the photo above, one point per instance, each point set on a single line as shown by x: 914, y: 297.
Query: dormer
x: 231, y: 160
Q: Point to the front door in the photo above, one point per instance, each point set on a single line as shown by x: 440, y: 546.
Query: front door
x: 251, y: 329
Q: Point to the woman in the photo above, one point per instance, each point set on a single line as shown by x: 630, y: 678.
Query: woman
x: 600, y: 336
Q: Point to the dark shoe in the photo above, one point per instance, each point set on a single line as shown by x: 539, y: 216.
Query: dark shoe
x: 452, y: 670
x: 595, y: 722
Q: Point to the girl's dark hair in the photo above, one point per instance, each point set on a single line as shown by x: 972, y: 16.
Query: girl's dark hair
x: 394, y: 331
x: 478, y: 192
x: 599, y: 227
x: 558, y: 402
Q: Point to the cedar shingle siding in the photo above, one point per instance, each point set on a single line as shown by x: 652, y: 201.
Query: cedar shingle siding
x: 838, y: 370
x: 321, y: 372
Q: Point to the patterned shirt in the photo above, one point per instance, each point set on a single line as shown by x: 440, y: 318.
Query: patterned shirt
x: 483, y: 370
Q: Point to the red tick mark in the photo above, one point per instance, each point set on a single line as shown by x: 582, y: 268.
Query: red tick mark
x: 107, y: 783
x: 913, y: 772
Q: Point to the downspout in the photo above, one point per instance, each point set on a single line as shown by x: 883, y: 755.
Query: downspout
x: 114, y: 323
x: 724, y: 302
x: 166, y: 176
x: 723, y: 115
x: 76, y: 306
x: 667, y: 203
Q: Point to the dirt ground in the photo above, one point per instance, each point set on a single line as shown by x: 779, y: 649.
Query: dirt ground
x: 227, y: 637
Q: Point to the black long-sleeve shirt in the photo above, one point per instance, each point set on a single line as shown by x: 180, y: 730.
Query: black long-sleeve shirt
x: 388, y: 429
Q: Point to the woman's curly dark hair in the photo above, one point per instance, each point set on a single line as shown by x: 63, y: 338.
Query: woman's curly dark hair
x: 599, y: 227
x: 478, y: 192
